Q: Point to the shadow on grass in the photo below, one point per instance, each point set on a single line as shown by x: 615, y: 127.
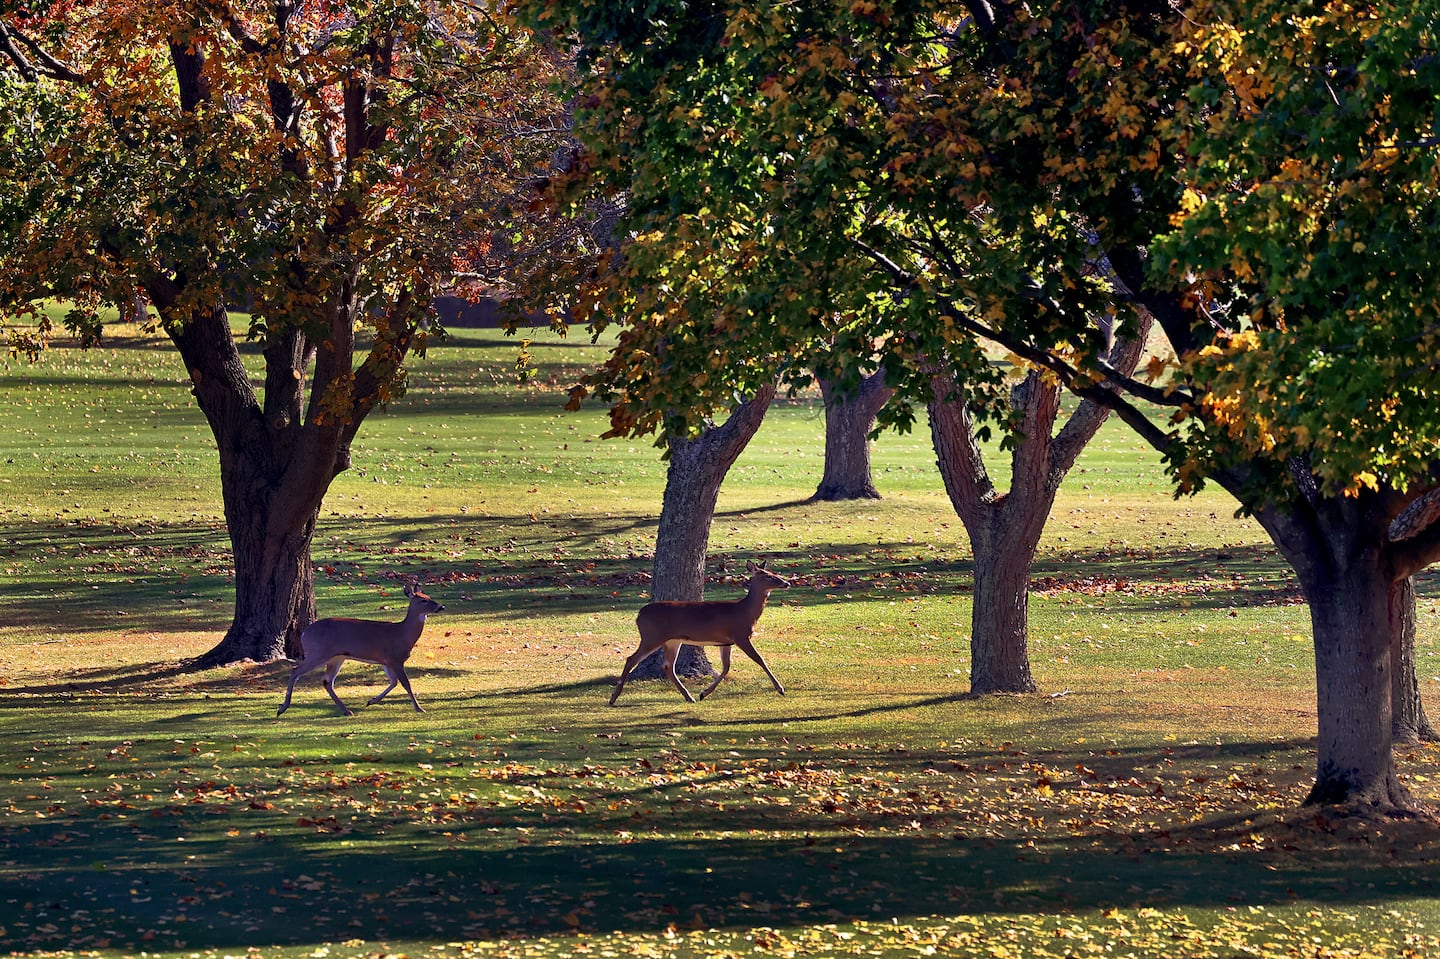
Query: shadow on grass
x: 313, y: 861
x: 171, y: 577
x: 178, y: 677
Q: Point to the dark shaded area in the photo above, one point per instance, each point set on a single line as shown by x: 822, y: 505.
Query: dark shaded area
x: 195, y: 869
x: 158, y: 576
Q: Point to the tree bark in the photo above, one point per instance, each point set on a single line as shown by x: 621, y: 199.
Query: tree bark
x: 272, y: 480
x: 1408, y: 721
x: 1000, y: 617
x: 849, y: 420
x: 274, y: 594
x: 1337, y: 546
x: 692, y: 488
x: 1004, y: 528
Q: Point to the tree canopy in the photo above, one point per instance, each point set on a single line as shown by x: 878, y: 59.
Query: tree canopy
x: 273, y: 156
x: 1258, y: 174
x: 1310, y: 208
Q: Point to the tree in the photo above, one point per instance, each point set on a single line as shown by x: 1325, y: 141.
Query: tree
x: 1259, y: 178
x: 849, y: 421
x: 1323, y: 389
x: 1005, y: 526
x: 328, y: 166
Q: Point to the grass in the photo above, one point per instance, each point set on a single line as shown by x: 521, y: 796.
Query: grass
x: 1146, y: 803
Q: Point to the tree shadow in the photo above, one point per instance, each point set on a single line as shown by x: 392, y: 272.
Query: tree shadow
x: 172, y: 677
x: 648, y: 853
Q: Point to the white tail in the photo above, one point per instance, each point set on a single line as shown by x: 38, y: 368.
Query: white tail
x: 725, y: 623
x: 329, y: 642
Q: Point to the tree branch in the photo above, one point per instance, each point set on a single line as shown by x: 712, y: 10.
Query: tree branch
x: 1078, y: 430
x: 1073, y: 380
x: 1415, y: 535
x: 43, y: 63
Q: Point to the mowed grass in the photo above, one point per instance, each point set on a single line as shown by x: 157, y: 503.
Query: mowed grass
x: 1145, y: 803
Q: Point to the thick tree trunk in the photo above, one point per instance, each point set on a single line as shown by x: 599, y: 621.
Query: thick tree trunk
x: 274, y: 473
x: 1336, y: 547
x: 274, y: 595
x: 1350, y: 617
x: 849, y: 420
x: 999, y: 620
x: 692, y: 488
x: 1408, y: 721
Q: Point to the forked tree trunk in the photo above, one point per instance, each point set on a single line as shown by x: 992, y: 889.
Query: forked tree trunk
x: 849, y: 420
x: 1005, y: 528
x: 692, y: 488
x: 274, y: 472
x: 1335, y: 544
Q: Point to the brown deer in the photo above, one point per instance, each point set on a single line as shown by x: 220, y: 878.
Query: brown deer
x: 723, y: 623
x: 329, y: 642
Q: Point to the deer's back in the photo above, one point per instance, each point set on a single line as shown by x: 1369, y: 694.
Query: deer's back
x: 704, y: 623
x: 362, y: 639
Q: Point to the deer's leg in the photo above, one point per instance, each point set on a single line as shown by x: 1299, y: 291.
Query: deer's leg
x: 672, y: 649
x: 724, y: 668
x: 390, y: 675
x: 645, y: 649
x: 748, y: 649
x: 405, y: 681
x: 301, y: 668
x: 330, y: 670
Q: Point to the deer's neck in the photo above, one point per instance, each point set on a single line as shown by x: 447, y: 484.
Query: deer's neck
x: 414, y: 624
x: 754, y: 600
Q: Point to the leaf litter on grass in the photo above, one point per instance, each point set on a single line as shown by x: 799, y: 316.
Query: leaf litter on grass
x: 814, y: 848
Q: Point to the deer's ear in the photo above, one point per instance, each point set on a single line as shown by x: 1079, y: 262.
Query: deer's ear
x: 409, y: 591
x: 751, y: 566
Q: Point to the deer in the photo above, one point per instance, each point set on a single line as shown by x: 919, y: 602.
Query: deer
x: 723, y: 623
x: 329, y: 642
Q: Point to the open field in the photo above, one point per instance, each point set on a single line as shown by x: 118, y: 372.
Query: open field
x: 1144, y: 804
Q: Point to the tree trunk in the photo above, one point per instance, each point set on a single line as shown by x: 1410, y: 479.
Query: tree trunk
x: 849, y: 420
x: 692, y: 488
x: 274, y: 591
x: 1005, y: 528
x: 1336, y: 546
x: 1350, y: 618
x: 1408, y: 722
x: 274, y: 473
x: 999, y: 619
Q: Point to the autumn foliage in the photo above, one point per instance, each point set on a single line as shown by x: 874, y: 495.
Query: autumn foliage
x: 327, y: 169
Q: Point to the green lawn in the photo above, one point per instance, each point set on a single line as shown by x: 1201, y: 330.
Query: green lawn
x: 1145, y: 803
